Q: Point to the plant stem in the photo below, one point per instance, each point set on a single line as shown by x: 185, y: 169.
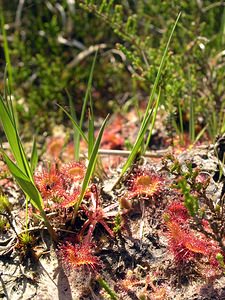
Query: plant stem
x: 49, y: 227
x: 107, y: 288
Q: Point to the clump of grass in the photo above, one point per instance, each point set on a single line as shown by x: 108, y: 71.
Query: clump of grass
x: 92, y: 143
x: 26, y: 239
x: 22, y: 169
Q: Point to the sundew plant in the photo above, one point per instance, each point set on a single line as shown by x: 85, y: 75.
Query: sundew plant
x: 112, y: 149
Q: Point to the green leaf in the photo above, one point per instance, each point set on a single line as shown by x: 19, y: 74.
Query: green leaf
x: 156, y: 82
x: 34, y: 156
x: 200, y: 134
x: 91, y: 137
x: 149, y: 110
x: 13, y: 138
x: 92, y: 161
x: 75, y: 131
x: 75, y: 124
x: 137, y: 145
x: 6, y: 47
x: 192, y: 121
x: 162, y: 62
x: 8, y: 99
x: 153, y: 120
x: 88, y: 91
x: 24, y: 182
x: 181, y: 121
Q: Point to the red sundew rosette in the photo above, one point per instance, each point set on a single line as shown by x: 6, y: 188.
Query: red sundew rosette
x: 49, y: 182
x: 144, y: 183
x: 73, y: 170
x: 79, y: 256
x: 185, y: 245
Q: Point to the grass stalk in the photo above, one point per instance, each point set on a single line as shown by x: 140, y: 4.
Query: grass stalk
x: 153, y: 122
x: 151, y: 107
x: 6, y: 50
x: 86, y: 97
x: 181, y: 122
x: 75, y: 124
x: 91, y: 136
x: 75, y: 130
x: 192, y: 121
x: 92, y: 162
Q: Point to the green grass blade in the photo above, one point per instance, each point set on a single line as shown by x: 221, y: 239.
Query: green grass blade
x: 22, y: 170
x: 156, y: 82
x: 137, y: 145
x: 6, y: 49
x: 75, y: 131
x: 8, y: 99
x: 222, y: 129
x: 149, y: 110
x: 153, y: 121
x: 221, y: 122
x: 91, y: 137
x: 92, y: 162
x: 222, y: 29
x: 13, y: 138
x: 192, y: 122
x: 181, y: 133
x: 112, y: 294
x: 75, y: 124
x: 200, y: 134
x: 24, y: 182
x: 34, y: 156
x: 88, y: 90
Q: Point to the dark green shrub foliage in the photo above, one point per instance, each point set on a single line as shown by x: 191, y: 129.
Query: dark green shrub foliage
x: 51, y: 42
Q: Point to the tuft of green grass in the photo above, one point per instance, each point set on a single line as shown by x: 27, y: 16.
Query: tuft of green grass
x: 26, y: 239
x: 93, y: 147
x: 22, y: 168
x: 93, y: 144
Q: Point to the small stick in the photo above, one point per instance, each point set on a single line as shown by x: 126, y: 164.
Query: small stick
x: 125, y: 153
x: 155, y: 153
